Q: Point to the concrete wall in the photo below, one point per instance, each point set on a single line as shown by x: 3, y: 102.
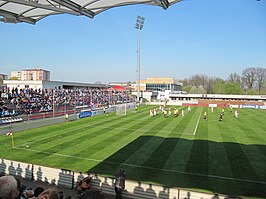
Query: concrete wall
x: 67, y: 178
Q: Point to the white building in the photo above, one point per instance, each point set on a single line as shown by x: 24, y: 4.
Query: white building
x: 31, y: 74
x: 22, y: 84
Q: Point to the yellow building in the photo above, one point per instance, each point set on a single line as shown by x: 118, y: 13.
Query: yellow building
x: 158, y: 84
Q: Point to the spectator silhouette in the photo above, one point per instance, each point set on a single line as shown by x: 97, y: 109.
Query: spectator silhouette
x: 39, y: 174
x: 106, y: 185
x: 46, y: 180
x: 120, y: 183
x: 65, y: 178
x: 3, y: 166
x: 216, y: 196
x: 53, y: 181
x: 19, y: 170
x: 29, y: 174
x: 188, y: 195
x: 96, y: 181
x: 80, y: 176
x: 138, y: 189
x: 11, y: 169
x: 164, y: 193
x: 151, y: 192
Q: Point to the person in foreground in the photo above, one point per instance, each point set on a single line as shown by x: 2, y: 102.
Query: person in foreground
x: 8, y: 187
x: 49, y: 194
x: 120, y: 183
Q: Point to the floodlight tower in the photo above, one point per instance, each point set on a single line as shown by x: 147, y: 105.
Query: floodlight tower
x: 139, y: 25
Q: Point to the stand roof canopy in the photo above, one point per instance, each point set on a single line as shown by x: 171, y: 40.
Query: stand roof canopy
x: 31, y: 11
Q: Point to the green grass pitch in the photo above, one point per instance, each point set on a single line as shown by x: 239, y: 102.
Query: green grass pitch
x: 227, y: 157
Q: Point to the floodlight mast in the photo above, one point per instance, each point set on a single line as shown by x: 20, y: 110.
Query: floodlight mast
x: 139, y: 25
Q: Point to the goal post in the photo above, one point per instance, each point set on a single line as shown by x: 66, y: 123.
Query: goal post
x: 123, y: 109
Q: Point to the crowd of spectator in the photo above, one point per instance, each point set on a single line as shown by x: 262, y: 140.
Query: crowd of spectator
x: 12, y: 188
x: 30, y: 100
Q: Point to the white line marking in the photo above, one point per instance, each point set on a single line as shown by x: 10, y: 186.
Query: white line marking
x: 145, y: 167
x: 141, y: 130
x: 197, y: 124
x: 65, y: 131
x: 112, y: 129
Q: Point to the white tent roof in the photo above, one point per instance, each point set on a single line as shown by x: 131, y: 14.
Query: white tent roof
x: 31, y: 11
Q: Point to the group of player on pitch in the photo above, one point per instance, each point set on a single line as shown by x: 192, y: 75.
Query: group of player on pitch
x: 221, y: 114
x: 167, y: 111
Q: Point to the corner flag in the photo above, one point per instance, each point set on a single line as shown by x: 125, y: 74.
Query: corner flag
x: 9, y: 133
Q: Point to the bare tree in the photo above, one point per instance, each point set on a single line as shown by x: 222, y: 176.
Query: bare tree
x: 234, y: 77
x: 198, y: 80
x: 249, y: 77
x: 185, y: 82
x: 210, y: 84
x: 260, y: 77
x: 204, y: 81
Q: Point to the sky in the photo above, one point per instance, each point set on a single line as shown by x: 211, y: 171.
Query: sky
x: 210, y: 37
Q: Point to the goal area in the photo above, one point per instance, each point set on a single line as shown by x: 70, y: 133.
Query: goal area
x: 123, y: 109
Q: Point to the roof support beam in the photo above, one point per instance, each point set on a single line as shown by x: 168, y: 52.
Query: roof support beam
x: 163, y: 3
x: 10, y: 17
x: 75, y: 7
x: 27, y: 19
x: 35, y: 4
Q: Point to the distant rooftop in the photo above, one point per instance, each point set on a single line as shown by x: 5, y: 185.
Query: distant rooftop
x: 35, y: 69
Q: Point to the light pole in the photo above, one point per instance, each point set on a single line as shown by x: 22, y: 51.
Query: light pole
x: 139, y: 25
x: 53, y: 103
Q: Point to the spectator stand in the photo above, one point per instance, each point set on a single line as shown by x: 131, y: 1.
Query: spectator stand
x: 38, y: 104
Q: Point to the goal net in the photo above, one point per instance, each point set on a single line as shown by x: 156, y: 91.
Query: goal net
x: 123, y: 109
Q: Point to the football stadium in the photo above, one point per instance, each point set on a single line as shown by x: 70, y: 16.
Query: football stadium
x: 186, y: 121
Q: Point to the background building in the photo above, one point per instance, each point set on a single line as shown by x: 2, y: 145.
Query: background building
x: 161, y: 84
x: 40, y: 84
x: 2, y: 78
x: 15, y: 75
x: 158, y: 84
x: 31, y: 74
x: 157, y: 88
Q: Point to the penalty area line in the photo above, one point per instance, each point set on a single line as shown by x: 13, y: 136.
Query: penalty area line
x: 197, y: 124
x: 145, y: 167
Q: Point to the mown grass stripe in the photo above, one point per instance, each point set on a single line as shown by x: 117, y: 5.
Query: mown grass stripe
x: 113, y: 139
x: 141, y: 152
x: 198, y: 160
x: 237, y: 157
x: 75, y: 131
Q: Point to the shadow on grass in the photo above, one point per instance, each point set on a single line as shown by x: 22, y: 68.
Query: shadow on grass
x: 222, y: 167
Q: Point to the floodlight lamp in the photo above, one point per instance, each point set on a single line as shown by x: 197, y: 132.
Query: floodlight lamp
x: 140, y: 22
x: 137, y: 26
